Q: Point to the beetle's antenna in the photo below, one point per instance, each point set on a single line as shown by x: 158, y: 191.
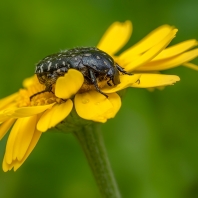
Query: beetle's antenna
x: 120, y: 69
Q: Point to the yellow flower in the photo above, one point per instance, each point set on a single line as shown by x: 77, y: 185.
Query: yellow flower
x: 29, y: 118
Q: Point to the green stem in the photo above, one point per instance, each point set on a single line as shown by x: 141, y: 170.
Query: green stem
x: 91, y: 140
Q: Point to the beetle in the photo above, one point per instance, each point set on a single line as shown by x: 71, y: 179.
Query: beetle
x: 95, y: 65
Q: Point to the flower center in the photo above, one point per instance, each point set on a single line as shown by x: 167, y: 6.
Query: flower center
x: 43, y: 98
x: 87, y: 86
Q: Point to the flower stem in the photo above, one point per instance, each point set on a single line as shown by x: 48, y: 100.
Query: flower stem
x: 91, y: 140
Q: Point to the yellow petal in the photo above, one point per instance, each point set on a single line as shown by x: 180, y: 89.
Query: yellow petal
x: 125, y: 81
x: 5, y: 114
x: 15, y: 163
x: 176, y: 49
x: 44, y: 122
x: 69, y: 84
x: 5, y: 166
x: 147, y: 42
x: 29, y: 81
x: 11, y: 141
x: 115, y: 100
x: 24, y: 137
x: 94, y: 106
x: 4, y: 127
x: 170, y: 62
x: 61, y: 112
x: 155, y: 80
x: 191, y: 65
x: 7, y: 100
x: 115, y: 37
x: 29, y: 111
x: 151, y: 53
x: 52, y: 117
x: 34, y: 141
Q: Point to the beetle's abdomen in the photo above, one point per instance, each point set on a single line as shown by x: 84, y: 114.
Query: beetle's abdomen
x: 99, y: 61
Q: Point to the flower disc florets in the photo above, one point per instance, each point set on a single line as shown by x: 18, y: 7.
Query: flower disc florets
x: 24, y: 98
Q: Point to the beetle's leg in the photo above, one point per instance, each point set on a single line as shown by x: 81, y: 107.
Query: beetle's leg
x: 94, y: 81
x: 138, y: 81
x: 108, y: 82
x: 47, y: 89
x: 122, y: 70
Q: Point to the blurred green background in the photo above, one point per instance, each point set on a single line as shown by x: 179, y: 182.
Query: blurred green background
x: 153, y: 141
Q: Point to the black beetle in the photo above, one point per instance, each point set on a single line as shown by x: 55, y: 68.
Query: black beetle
x: 94, y: 64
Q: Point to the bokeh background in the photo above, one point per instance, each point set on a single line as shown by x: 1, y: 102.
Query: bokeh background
x: 153, y: 141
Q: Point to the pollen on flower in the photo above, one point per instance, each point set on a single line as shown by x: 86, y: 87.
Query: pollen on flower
x: 86, y: 86
x: 44, y: 98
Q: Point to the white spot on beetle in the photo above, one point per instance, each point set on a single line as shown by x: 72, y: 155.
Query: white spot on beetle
x: 98, y: 57
x: 110, y: 60
x: 87, y: 54
x: 63, y: 63
x: 39, y: 69
x: 48, y: 68
x: 105, y: 63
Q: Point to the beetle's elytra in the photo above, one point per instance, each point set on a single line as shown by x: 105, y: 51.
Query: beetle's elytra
x: 94, y: 64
